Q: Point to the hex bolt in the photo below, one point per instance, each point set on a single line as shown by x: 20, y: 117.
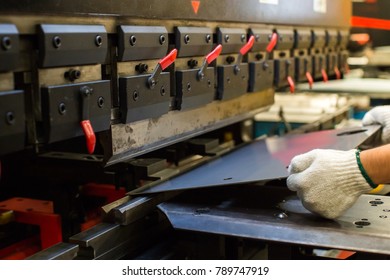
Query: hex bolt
x: 62, y: 108
x: 259, y: 56
x: 72, y: 74
x: 208, y: 38
x: 135, y: 95
x: 162, y: 39
x: 230, y: 59
x: 186, y: 38
x: 243, y: 37
x: 6, y: 43
x: 98, y: 40
x: 132, y: 40
x: 227, y: 38
x: 100, y: 101
x: 142, y: 68
x: 10, y: 118
x: 192, y: 63
x: 162, y: 91
x: 57, y: 41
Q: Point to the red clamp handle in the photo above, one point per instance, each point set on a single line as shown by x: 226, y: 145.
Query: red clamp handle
x: 310, y: 80
x: 214, y: 54
x: 324, y: 75
x: 168, y: 59
x: 248, y: 45
x: 291, y: 83
x: 337, y: 72
x: 272, y: 43
x: 90, y: 136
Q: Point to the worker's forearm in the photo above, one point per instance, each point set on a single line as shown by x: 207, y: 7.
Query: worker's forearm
x: 376, y: 162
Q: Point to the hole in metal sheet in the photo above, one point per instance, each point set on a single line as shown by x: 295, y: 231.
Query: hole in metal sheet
x: 375, y: 202
x: 229, y: 178
x: 362, y: 223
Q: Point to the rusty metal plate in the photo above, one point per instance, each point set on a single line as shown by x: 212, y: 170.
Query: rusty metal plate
x: 262, y: 160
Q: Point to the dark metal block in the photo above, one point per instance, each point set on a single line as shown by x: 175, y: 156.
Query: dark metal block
x: 284, y: 67
x: 262, y: 38
x: 193, y: 41
x: 318, y: 63
x: 286, y: 39
x: 9, y: 46
x: 231, y: 39
x: 62, y: 45
x: 138, y: 101
x: 303, y: 38
x: 331, y: 63
x: 62, y: 109
x: 303, y: 64
x: 318, y: 38
x: 192, y: 92
x: 261, y: 75
x: 231, y: 83
x: 142, y: 42
x: 332, y: 38
x: 12, y: 121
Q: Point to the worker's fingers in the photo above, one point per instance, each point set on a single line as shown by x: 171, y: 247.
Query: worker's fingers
x: 369, y: 119
x: 302, y: 162
x: 295, y: 181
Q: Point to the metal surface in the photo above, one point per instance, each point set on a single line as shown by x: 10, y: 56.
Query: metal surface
x: 275, y: 214
x: 60, y: 251
x: 336, y: 12
x: 130, y: 140
x: 262, y: 160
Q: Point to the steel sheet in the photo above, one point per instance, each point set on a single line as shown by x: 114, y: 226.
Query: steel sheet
x: 262, y: 160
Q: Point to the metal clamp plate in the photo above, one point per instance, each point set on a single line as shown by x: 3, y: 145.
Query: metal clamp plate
x: 61, y: 108
x: 193, y: 41
x: 283, y: 68
x: 12, y: 121
x: 231, y: 39
x: 230, y: 83
x: 9, y: 46
x: 261, y: 75
x: 139, y: 102
x: 62, y: 45
x: 142, y: 42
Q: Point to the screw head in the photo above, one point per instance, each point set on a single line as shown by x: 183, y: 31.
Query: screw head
x: 208, y: 38
x: 98, y: 40
x: 186, y: 38
x: 62, y: 108
x: 162, y: 39
x: 57, y: 42
x: 100, y: 101
x: 135, y: 95
x: 6, y: 43
x: 10, y: 118
x: 227, y: 38
x: 162, y: 91
x: 243, y: 38
x: 132, y: 40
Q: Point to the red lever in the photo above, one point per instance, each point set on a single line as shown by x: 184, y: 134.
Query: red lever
x: 168, y: 60
x: 90, y: 136
x: 208, y: 59
x: 310, y: 80
x: 337, y: 72
x: 248, y: 45
x: 272, y: 43
x: 162, y: 65
x: 214, y: 54
x: 291, y: 83
x: 324, y: 75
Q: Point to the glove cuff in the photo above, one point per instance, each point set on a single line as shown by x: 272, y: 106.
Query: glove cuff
x: 363, y: 171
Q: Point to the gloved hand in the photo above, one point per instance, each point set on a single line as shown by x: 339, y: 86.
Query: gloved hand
x: 379, y: 115
x: 328, y: 182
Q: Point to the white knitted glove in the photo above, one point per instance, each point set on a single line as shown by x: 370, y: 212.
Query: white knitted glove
x: 379, y: 115
x: 328, y: 182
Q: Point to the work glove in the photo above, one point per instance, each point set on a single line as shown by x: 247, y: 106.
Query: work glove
x: 328, y: 182
x: 379, y: 115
